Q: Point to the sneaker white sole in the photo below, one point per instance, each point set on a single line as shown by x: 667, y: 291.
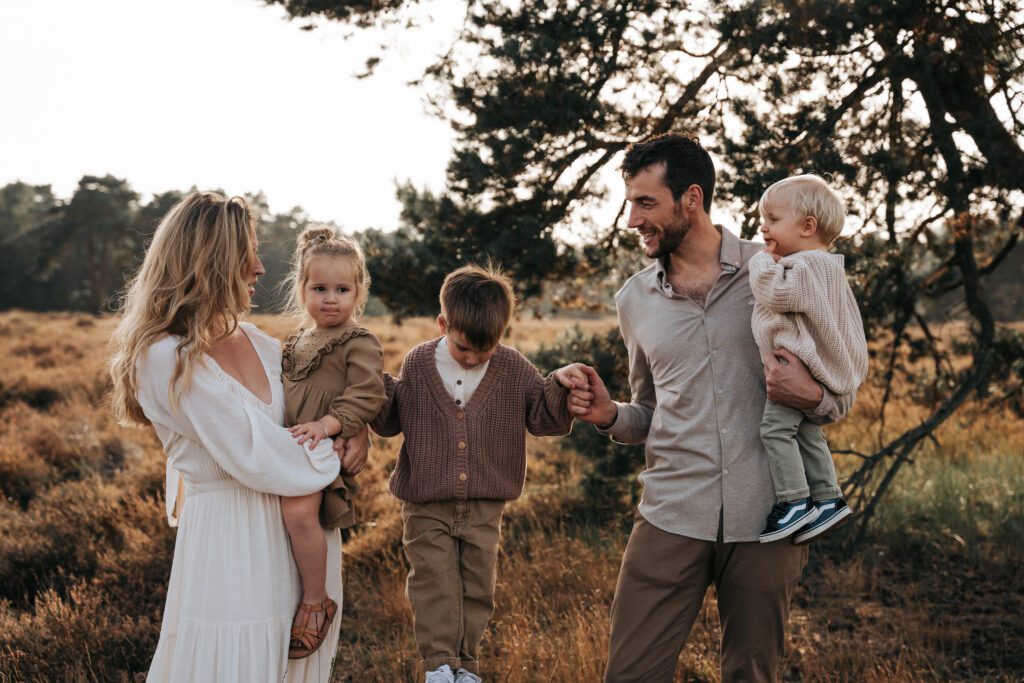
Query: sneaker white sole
x: 830, y: 525
x: 794, y: 526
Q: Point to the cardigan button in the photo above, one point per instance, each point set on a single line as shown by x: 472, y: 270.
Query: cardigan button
x: 461, y: 415
x: 463, y: 477
x: 462, y: 444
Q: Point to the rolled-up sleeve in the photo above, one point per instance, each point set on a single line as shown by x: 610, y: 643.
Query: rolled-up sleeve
x: 832, y: 407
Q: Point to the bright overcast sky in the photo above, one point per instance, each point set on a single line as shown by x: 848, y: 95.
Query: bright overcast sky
x: 227, y: 94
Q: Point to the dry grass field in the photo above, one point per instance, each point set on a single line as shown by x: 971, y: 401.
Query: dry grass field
x: 935, y: 593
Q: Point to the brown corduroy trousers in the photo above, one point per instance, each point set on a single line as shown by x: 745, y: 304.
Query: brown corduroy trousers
x: 452, y: 548
x: 660, y: 591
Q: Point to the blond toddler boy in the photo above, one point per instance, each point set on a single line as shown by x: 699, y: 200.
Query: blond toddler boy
x: 803, y: 303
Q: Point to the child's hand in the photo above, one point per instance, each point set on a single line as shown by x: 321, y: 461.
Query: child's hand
x: 770, y: 250
x: 572, y: 377
x: 314, y: 432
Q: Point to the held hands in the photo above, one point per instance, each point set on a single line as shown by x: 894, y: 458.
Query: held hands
x: 588, y: 398
x: 572, y: 376
x: 789, y: 383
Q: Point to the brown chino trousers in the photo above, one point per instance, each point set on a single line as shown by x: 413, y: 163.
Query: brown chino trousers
x: 660, y: 591
x: 452, y: 548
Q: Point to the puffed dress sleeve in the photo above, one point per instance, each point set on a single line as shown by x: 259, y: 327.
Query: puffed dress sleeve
x: 250, y: 446
x: 364, y: 396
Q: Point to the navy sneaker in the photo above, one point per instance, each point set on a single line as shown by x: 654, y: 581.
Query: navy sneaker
x: 786, y: 519
x: 832, y: 514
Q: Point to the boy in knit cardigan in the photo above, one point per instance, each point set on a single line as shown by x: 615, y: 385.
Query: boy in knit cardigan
x: 465, y: 403
x: 802, y: 303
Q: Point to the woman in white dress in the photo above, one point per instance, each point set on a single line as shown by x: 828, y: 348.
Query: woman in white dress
x: 210, y: 386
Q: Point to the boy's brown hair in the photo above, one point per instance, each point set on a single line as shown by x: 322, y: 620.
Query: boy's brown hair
x: 478, y: 302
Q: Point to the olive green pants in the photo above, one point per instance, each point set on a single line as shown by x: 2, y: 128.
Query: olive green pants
x: 798, y: 455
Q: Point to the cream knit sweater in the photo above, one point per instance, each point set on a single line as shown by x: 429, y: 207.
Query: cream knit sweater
x: 803, y: 304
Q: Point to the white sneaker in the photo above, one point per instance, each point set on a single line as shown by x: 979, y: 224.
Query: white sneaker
x: 463, y: 676
x: 442, y: 674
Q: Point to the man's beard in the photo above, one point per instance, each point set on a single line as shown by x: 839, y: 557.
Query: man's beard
x: 673, y: 234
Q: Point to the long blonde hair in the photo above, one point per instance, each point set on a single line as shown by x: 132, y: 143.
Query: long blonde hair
x: 192, y: 284
x: 321, y: 240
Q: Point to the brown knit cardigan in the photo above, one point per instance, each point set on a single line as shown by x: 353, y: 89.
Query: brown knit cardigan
x: 476, y: 451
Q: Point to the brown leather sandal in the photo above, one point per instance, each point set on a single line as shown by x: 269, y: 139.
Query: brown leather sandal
x: 310, y: 627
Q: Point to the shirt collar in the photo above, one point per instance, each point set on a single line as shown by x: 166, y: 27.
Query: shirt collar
x: 729, y: 256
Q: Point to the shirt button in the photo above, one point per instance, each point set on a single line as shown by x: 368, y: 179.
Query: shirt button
x: 725, y: 471
x: 458, y: 381
x: 460, y: 415
x: 721, y: 390
x: 714, y: 353
x: 462, y: 444
x: 463, y: 477
x: 724, y: 430
x: 458, y: 402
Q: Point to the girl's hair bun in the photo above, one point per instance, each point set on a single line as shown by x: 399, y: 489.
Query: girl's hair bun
x: 314, y: 236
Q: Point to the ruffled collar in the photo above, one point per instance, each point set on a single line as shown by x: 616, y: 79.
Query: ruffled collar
x: 304, y: 348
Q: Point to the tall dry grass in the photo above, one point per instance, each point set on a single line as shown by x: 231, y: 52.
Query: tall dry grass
x: 85, y: 553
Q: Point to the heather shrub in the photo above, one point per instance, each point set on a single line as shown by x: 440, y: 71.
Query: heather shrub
x: 85, y: 551
x: 79, y: 636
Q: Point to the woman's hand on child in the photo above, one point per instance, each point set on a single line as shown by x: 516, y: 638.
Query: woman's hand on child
x: 314, y: 432
x: 353, y: 452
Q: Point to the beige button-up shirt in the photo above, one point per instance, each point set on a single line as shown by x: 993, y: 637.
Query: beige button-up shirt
x: 698, y: 394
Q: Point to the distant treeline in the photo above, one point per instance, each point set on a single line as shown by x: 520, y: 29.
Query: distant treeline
x: 76, y: 253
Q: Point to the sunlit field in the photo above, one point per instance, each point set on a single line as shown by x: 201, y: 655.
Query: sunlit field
x: 934, y: 592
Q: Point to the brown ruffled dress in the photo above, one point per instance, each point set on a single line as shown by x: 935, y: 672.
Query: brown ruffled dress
x: 336, y: 371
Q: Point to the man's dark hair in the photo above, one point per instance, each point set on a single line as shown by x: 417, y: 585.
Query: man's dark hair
x: 686, y: 163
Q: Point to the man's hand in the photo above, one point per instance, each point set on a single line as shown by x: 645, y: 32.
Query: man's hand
x: 353, y: 452
x: 789, y: 383
x: 593, y: 404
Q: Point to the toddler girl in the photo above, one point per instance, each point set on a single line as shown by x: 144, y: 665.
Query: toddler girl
x: 333, y: 384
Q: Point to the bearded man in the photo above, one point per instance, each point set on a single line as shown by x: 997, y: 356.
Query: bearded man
x: 698, y: 392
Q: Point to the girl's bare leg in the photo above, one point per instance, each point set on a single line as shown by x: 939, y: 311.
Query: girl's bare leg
x: 302, y: 520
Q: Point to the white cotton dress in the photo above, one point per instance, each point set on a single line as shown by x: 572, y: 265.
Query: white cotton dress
x: 234, y: 587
